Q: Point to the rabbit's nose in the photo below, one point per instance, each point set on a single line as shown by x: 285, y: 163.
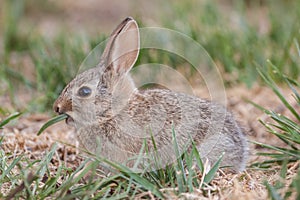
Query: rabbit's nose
x: 62, y: 106
x: 57, y: 108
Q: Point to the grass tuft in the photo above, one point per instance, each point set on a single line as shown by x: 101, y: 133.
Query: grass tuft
x: 36, y: 181
x: 285, y: 128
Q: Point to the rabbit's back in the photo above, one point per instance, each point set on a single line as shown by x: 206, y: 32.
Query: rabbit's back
x: 213, y: 129
x: 155, y: 116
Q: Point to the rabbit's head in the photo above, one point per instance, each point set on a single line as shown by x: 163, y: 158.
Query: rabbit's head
x: 98, y: 92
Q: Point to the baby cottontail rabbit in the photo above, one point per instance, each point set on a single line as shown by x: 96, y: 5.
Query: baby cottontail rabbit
x: 115, y: 119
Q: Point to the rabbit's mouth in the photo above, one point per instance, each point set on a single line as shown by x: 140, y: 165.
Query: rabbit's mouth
x: 69, y: 120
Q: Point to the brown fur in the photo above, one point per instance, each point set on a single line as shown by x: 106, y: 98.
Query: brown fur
x: 117, y: 118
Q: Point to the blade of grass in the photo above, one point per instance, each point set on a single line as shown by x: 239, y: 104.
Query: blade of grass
x: 191, y: 172
x: 180, y: 174
x: 50, y: 184
x: 286, y: 138
x: 10, y: 167
x: 52, y: 121
x: 136, y: 177
x: 275, y: 89
x: 24, y: 185
x: 285, y: 151
x: 212, y: 172
x: 284, y: 121
x: 272, y: 192
x: 198, y: 158
x: 290, y: 83
x: 283, y: 172
x: 296, y: 184
x: 297, y: 46
x: 269, y: 163
x: 9, y: 118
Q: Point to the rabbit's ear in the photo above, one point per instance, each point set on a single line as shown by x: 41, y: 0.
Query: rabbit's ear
x: 122, y: 48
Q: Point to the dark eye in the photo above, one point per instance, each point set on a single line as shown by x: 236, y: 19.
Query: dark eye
x: 84, y: 91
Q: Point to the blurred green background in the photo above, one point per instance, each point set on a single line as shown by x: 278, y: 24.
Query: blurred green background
x: 44, y: 42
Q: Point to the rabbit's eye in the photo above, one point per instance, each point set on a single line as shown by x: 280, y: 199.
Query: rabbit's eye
x: 84, y: 91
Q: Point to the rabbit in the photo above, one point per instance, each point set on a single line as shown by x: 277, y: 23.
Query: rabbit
x: 115, y: 119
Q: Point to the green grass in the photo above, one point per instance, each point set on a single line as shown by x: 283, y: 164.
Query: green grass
x: 286, y: 129
x: 235, y: 43
x: 9, y: 118
x: 36, y: 180
x: 292, y: 191
x: 236, y: 46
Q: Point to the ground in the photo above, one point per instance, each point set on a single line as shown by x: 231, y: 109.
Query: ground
x: 20, y: 137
